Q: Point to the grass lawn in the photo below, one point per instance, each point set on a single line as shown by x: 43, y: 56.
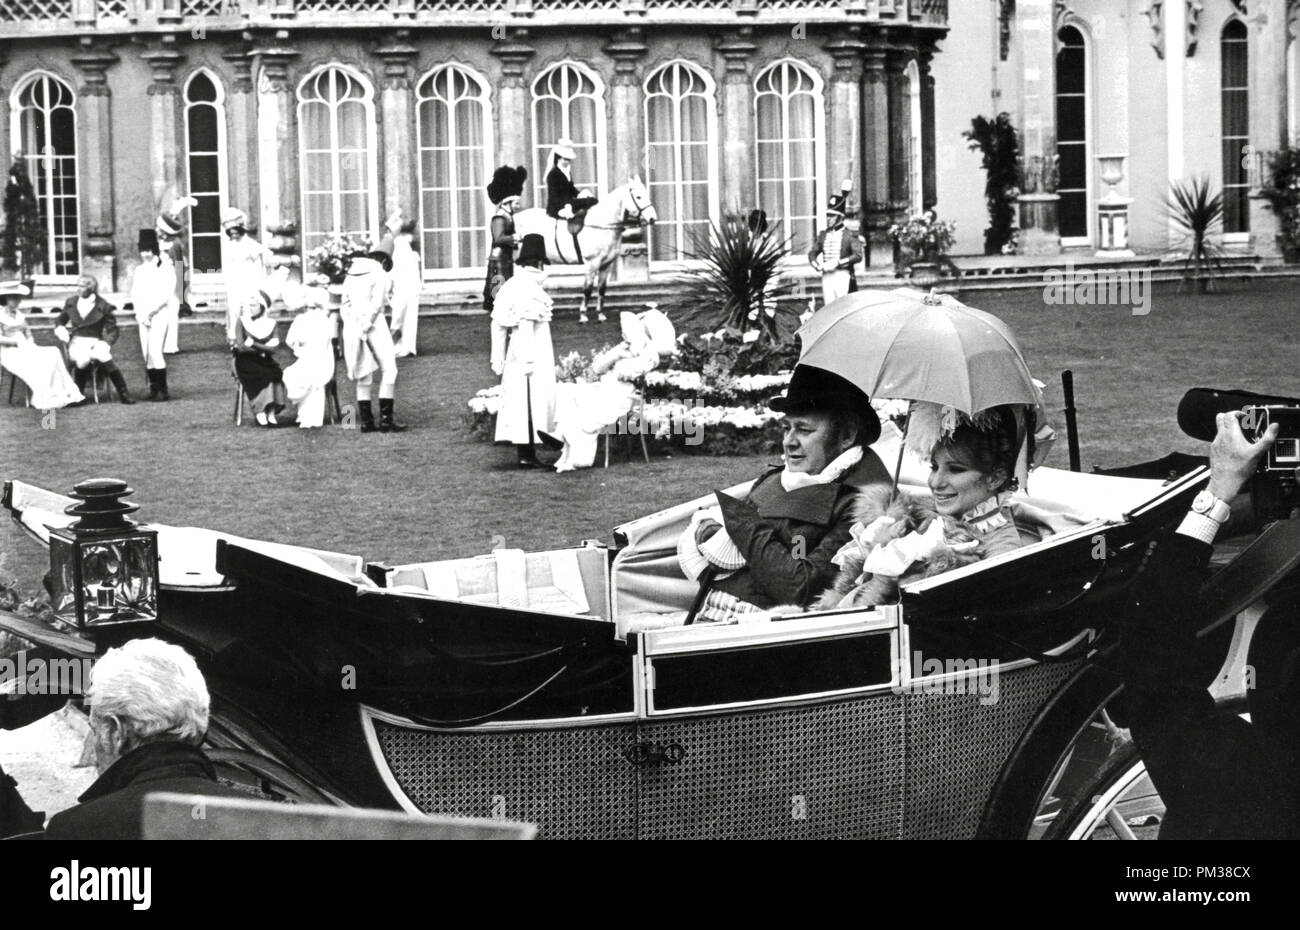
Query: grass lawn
x: 434, y: 492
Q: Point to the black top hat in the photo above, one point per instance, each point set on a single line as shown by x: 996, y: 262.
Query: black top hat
x: 148, y: 241
x: 383, y: 253
x: 757, y: 221
x: 506, y: 182
x: 816, y: 390
x: 532, y: 251
x: 837, y: 204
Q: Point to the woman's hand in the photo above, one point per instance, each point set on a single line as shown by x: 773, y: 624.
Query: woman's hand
x: 1233, y: 457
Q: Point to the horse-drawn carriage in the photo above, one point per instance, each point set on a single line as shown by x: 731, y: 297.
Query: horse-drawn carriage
x: 531, y: 686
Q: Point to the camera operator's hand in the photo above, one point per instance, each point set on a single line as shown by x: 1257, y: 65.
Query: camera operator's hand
x: 1233, y: 457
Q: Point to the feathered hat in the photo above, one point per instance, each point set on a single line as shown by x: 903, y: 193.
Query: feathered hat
x: 564, y: 149
x: 839, y: 203
x: 169, y: 221
x: 506, y: 182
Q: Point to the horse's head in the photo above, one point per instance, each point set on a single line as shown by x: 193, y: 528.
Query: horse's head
x: 637, y: 208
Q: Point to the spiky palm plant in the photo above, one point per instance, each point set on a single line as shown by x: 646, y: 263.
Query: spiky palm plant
x: 1199, y: 214
x: 739, y: 263
x: 23, y: 248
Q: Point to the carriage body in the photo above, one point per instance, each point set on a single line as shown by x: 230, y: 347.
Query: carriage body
x: 943, y: 716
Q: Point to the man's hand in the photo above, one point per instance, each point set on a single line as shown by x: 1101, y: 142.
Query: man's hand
x: 1233, y: 457
x: 61, y: 333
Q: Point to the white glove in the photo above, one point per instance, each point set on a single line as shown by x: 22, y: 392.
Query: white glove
x: 566, y: 212
x: 61, y: 333
x: 498, y: 368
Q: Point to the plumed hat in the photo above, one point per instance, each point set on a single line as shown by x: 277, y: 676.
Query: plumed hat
x: 169, y: 221
x: 148, y: 241
x: 564, y: 149
x: 14, y: 289
x: 232, y: 217
x: 506, y: 182
x: 532, y: 250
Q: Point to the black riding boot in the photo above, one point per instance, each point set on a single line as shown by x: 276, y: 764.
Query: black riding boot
x: 367, y: 416
x: 119, y: 382
x: 79, y: 378
x: 152, y: 375
x: 161, y: 374
x: 386, y: 422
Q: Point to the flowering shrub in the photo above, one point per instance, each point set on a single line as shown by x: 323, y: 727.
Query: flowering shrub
x: 578, y: 367
x: 926, y: 236
x: 332, y: 257
x: 715, y: 389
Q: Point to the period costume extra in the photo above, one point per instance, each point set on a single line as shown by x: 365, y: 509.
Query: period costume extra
x: 153, y: 295
x: 836, y: 251
x: 112, y: 807
x: 523, y: 355
x: 504, y: 190
x: 41, y: 368
x: 243, y: 266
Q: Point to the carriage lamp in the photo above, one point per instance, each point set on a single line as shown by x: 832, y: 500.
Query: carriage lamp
x: 103, y: 567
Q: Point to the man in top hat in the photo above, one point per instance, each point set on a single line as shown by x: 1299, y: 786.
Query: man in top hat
x: 505, y: 190
x: 89, y: 328
x: 153, y: 295
x: 169, y: 227
x: 563, y: 199
x: 836, y: 250
x: 408, y: 279
x: 244, y: 261
x: 367, y: 342
x: 522, y: 354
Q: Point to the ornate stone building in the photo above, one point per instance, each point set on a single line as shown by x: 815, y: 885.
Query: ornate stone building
x: 322, y: 116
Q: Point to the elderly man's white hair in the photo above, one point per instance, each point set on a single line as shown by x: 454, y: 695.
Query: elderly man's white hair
x: 154, y: 690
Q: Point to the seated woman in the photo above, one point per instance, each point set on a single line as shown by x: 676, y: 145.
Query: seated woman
x: 776, y: 547
x: 585, y: 409
x: 311, y: 337
x: 972, y: 476
x: 256, y: 369
x: 41, y: 368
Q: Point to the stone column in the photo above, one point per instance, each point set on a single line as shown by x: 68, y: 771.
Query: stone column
x: 6, y: 147
x: 929, y: 178
x: 277, y: 150
x: 900, y: 134
x: 739, y: 190
x: 1039, y: 202
x: 397, y: 116
x: 166, y: 145
x: 95, y: 158
x: 241, y: 158
x: 844, y: 131
x: 628, y: 143
x: 1267, y: 25
x: 876, y: 208
x: 512, y: 106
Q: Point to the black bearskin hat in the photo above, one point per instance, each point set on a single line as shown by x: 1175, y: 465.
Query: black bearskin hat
x: 506, y: 182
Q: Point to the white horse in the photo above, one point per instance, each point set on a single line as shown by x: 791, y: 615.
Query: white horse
x: 598, y: 242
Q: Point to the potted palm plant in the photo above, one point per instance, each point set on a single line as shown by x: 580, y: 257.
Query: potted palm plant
x: 923, y: 242
x: 1198, y: 212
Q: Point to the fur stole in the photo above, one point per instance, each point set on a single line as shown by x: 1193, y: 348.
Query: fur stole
x: 910, y: 514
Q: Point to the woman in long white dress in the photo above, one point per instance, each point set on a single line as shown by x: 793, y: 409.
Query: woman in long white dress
x: 41, y: 368
x: 522, y: 353
x: 311, y: 337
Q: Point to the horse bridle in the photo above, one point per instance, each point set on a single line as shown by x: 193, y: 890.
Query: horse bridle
x: 624, y: 223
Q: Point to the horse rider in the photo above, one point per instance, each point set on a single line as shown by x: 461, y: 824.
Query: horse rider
x: 563, y: 199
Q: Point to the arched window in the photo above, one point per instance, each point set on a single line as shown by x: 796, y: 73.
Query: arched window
x: 336, y: 126
x: 44, y: 125
x: 680, y: 126
x: 569, y: 102
x: 914, y: 150
x: 789, y: 123
x: 1072, y: 135
x: 205, y: 163
x: 1234, y: 87
x: 455, y: 162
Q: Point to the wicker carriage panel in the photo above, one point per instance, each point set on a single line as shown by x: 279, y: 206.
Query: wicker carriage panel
x: 573, y: 783
x: 956, y: 747
x: 824, y: 770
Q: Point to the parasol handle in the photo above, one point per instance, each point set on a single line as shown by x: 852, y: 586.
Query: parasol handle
x: 902, y: 444
x: 1071, y: 419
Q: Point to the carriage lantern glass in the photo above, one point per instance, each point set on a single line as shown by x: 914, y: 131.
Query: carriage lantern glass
x: 103, y: 567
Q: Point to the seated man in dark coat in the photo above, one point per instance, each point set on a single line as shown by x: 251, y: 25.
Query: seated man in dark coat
x: 775, y: 548
x: 148, y: 714
x: 89, y: 328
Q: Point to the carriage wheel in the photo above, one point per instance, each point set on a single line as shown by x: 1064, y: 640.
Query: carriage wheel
x: 1118, y: 802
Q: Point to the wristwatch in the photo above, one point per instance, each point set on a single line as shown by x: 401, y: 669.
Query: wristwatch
x: 1207, y: 505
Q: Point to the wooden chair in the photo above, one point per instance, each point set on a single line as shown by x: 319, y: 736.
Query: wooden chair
x: 638, y: 410
x: 333, y: 410
x: 13, y: 383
